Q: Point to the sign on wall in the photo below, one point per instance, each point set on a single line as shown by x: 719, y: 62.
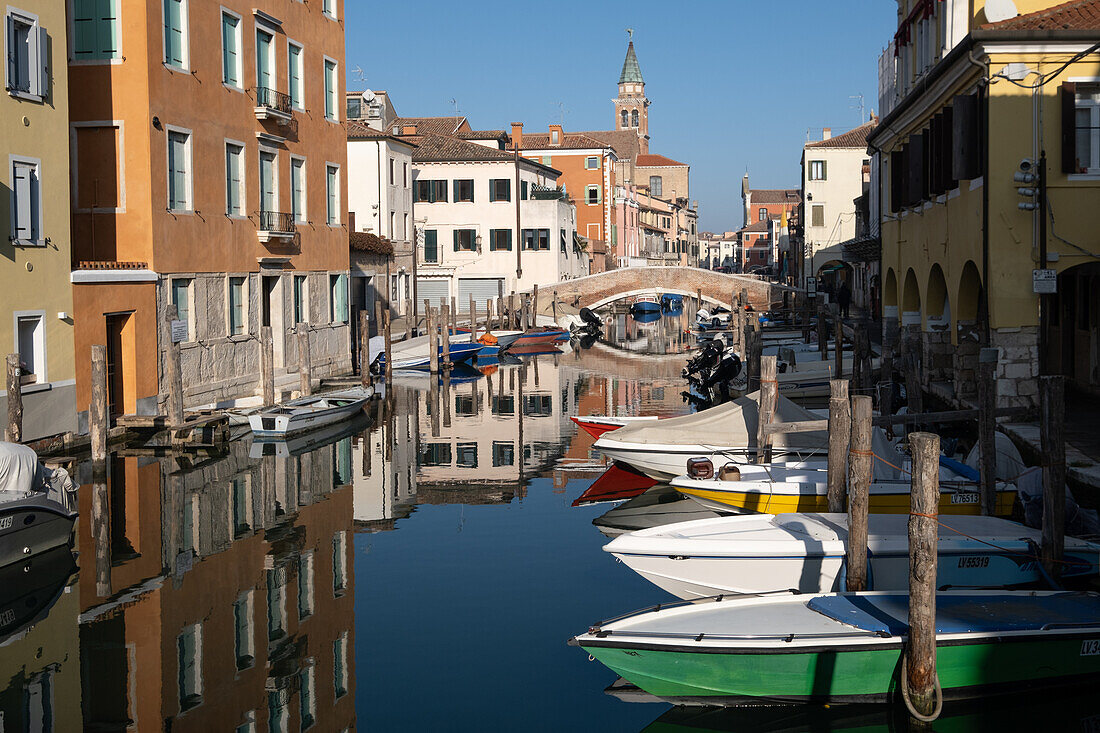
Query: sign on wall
x: 1044, y: 282
x: 179, y: 331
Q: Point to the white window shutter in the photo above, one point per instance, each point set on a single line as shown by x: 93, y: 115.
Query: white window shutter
x: 23, y: 201
x: 43, y: 63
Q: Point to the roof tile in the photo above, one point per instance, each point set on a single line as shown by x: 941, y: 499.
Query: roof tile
x: 1074, y: 15
x: 854, y: 138
x: 644, y: 161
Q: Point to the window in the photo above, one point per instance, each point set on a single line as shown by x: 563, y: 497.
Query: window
x: 294, y: 74
x: 464, y: 190
x: 243, y: 635
x: 181, y: 298
x: 241, y: 507
x: 175, y: 34
x: 26, y: 195
x: 354, y: 108
x: 278, y: 712
x: 28, y: 76
x: 546, y: 159
x: 95, y: 29
x: 504, y: 405
x: 431, y: 246
x: 339, y: 562
x: 761, y: 214
x: 332, y: 195
x: 504, y: 454
x: 234, y: 181
x: 298, y: 189
x: 404, y: 226
x: 428, y: 191
x: 466, y: 455
x: 656, y: 185
x: 634, y: 118
x: 592, y: 194
x: 330, y: 90
x: 523, y: 190
x: 624, y: 118
x: 276, y: 603
x: 236, y: 306
x: 817, y: 215
x: 307, y: 697
x: 179, y: 171
x: 530, y: 239
x: 555, y: 138
x: 434, y: 454
x: 500, y: 189
x: 391, y: 224
x: 817, y: 170
x: 544, y: 239
x: 1083, y: 140
x: 31, y: 342
x: 189, y: 656
x: 338, y: 284
x: 465, y: 240
x: 564, y: 243
x: 265, y: 67
x: 592, y: 162
x: 340, y: 665
x: 231, y: 50
x: 301, y: 300
x: 500, y: 239
x: 269, y: 196
x: 328, y: 7
x: 305, y: 586
x: 391, y: 171
x: 405, y: 180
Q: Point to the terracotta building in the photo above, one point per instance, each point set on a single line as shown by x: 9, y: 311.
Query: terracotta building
x: 208, y: 172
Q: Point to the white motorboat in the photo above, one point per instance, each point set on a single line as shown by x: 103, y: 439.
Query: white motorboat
x: 305, y: 413
x: 658, y: 506
x: 712, y: 319
x: 415, y: 353
x: 727, y: 433
x: 762, y: 553
x: 37, y: 504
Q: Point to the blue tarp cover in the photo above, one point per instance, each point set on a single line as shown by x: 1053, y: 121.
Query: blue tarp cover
x: 962, y: 613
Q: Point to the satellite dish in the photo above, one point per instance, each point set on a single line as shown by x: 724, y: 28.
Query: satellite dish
x: 368, y: 96
x: 998, y: 10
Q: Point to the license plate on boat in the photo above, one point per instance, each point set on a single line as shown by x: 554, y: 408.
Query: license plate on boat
x: 5, y: 523
x: 965, y: 498
x: 1090, y: 647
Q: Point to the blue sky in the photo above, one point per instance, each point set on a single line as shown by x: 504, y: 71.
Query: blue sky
x: 733, y: 84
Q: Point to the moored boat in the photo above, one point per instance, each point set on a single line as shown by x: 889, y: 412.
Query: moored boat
x: 305, y: 413
x: 764, y: 553
x: 37, y: 504
x: 645, y: 304
x: 415, y: 353
x: 540, y: 335
x: 847, y: 647
x: 597, y: 425
x: 615, y: 484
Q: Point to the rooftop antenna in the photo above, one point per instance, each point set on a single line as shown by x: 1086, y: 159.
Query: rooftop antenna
x: 562, y: 112
x: 455, y: 103
x: 359, y: 75
x: 859, y: 106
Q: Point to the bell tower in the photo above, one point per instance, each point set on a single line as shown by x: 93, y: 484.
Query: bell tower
x: 631, y: 106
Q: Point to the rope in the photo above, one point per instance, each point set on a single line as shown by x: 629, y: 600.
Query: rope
x: 928, y: 516
x: 905, y: 693
x: 857, y: 452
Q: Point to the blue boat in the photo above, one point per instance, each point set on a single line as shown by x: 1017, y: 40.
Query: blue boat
x: 416, y: 355
x: 646, y: 316
x: 672, y: 301
x: 645, y: 304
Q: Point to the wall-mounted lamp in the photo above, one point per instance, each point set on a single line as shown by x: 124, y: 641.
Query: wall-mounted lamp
x: 156, y: 122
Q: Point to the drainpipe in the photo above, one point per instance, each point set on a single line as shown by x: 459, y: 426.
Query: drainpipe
x: 519, y: 232
x: 984, y: 90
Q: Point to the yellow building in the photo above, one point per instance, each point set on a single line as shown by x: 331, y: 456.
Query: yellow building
x: 36, y: 301
x: 973, y: 92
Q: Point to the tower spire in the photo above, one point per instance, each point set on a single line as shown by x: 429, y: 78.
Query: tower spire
x: 632, y: 73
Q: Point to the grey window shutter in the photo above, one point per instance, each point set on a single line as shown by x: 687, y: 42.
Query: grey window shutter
x: 43, y: 63
x: 23, y: 194
x: 1068, y: 94
x: 13, y: 71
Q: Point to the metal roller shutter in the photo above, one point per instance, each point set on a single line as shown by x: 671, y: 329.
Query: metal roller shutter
x: 437, y: 290
x: 482, y: 288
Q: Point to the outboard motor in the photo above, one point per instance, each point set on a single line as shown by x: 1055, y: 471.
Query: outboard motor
x: 591, y: 320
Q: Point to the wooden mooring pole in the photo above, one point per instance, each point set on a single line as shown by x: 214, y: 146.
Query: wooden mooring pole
x: 14, y: 431
x: 769, y: 398
x: 919, y: 684
x: 838, y: 342
x: 305, y: 367
x: 433, y: 338
x: 473, y: 319
x: 173, y: 373
x: 445, y: 332
x: 365, y: 377
x: 987, y: 429
x: 859, y: 487
x: 387, y: 336
x: 1052, y: 437
x: 97, y: 410
x: 535, y: 305
x: 822, y: 334
x: 267, y: 365
x: 840, y: 422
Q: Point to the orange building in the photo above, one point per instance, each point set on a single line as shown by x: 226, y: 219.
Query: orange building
x: 208, y: 172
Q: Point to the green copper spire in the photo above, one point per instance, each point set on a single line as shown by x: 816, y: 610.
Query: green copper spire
x: 632, y: 73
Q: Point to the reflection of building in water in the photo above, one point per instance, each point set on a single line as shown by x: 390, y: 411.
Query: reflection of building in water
x: 40, y: 669
x: 384, y: 469
x: 219, y: 594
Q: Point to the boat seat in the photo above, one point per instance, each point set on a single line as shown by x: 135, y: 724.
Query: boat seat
x: 962, y: 613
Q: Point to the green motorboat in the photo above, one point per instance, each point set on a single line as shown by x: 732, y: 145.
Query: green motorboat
x: 847, y: 647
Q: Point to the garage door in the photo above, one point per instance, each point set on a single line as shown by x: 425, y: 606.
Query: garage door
x: 436, y: 289
x: 482, y: 288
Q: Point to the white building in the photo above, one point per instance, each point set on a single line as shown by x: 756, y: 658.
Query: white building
x: 470, y: 241
x: 720, y: 250
x: 832, y: 179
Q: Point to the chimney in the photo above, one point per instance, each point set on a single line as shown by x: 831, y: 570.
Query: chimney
x: 517, y: 135
x: 826, y: 133
x: 408, y: 130
x: 556, y: 134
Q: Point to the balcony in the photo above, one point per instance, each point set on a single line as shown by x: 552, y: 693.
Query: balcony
x: 273, y: 105
x: 548, y: 193
x: 276, y: 226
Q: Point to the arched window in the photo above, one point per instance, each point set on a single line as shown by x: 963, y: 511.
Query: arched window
x: 634, y: 118
x: 626, y: 119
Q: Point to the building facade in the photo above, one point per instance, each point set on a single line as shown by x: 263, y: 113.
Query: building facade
x: 36, y: 308
x: 209, y: 172
x: 959, y: 252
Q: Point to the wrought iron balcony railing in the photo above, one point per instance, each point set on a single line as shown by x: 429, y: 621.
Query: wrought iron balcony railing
x: 277, y: 224
x: 273, y: 101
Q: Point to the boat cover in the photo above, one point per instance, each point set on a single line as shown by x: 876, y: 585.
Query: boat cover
x: 734, y: 425
x: 963, y: 612
x: 18, y: 469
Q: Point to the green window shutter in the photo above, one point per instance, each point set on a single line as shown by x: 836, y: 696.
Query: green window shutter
x: 523, y: 190
x: 455, y: 186
x: 455, y: 235
x: 492, y: 190
x: 331, y: 194
x: 107, y: 28
x: 824, y: 170
x: 229, y: 50
x: 330, y: 90
x: 342, y: 298
x: 294, y: 75
x: 173, y: 32
x: 84, y: 28
x: 263, y: 60
x: 508, y: 239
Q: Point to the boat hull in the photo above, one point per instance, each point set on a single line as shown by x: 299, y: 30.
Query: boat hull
x: 32, y: 526
x: 845, y: 674
x: 667, y: 461
x: 279, y: 426
x: 597, y: 425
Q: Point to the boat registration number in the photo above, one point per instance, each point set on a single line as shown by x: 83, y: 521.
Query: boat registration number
x: 5, y: 522
x: 974, y: 561
x: 1090, y: 647
x: 965, y: 498
x: 7, y: 616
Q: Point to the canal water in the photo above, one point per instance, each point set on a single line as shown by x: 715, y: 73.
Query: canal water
x: 418, y: 569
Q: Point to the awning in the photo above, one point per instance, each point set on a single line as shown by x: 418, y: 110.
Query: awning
x: 862, y: 249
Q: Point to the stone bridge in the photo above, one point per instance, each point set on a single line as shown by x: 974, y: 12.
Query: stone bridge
x: 593, y: 291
